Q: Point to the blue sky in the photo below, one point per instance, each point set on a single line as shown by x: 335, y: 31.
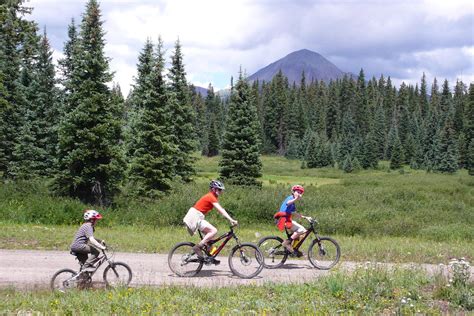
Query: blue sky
x: 401, y: 39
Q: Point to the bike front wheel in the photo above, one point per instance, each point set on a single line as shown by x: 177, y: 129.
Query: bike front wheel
x: 273, y: 251
x: 65, y: 280
x: 183, y: 261
x: 246, y: 261
x: 117, y: 274
x: 324, y: 253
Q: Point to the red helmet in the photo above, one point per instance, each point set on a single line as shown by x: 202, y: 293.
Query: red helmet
x: 297, y: 187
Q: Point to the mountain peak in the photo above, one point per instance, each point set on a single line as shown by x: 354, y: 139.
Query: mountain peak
x: 314, y: 65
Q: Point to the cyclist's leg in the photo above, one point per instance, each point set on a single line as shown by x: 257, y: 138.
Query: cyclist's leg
x: 82, y: 253
x: 297, y: 230
x: 209, y: 233
x: 93, y: 254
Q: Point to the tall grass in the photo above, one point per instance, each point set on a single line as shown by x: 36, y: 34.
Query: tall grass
x: 369, y: 290
x: 369, y: 203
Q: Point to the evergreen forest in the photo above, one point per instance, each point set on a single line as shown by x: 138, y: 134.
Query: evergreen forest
x: 70, y: 123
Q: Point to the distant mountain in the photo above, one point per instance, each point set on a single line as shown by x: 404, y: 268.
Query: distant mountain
x: 315, y: 67
x: 201, y: 90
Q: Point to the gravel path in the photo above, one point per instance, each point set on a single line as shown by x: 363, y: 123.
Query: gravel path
x: 34, y: 268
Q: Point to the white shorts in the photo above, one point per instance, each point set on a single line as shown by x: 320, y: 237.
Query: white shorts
x: 194, y: 221
x: 295, y: 227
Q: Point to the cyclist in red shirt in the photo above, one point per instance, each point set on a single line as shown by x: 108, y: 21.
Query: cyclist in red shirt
x: 194, y: 219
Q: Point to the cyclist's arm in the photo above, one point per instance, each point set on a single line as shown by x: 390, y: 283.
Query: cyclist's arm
x: 296, y: 198
x: 95, y: 243
x: 297, y: 215
x: 224, y: 213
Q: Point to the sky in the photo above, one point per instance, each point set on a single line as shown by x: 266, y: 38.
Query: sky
x: 402, y: 39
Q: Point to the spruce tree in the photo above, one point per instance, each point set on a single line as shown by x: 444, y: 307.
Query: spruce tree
x: 273, y: 118
x: 183, y: 116
x: 449, y: 155
x: 90, y: 158
x: 240, y: 161
x: 141, y: 89
x: 470, y: 158
x: 36, y: 148
x: 292, y: 149
x: 151, y: 168
x: 397, y: 158
x: 13, y: 26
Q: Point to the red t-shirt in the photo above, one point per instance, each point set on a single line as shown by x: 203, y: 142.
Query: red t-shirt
x: 204, y: 204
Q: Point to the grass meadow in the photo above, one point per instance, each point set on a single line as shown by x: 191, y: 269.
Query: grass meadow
x: 376, y: 215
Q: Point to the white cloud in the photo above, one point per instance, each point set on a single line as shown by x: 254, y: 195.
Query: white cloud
x: 401, y: 39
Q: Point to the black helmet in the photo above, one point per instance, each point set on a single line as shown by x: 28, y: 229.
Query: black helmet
x: 216, y: 185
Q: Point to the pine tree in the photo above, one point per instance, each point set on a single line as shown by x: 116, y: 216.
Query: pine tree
x: 273, y: 119
x: 292, y: 151
x: 397, y: 158
x: 91, y: 163
x: 141, y: 88
x: 240, y: 161
x: 183, y: 116
x: 449, y: 155
x: 347, y: 138
x: 460, y: 105
x: 361, y: 105
x: 13, y: 28
x: 36, y: 148
x: 347, y: 165
x: 151, y: 169
x: 470, y: 158
x: 431, y: 142
x: 423, y: 97
x: 370, y: 157
x: 312, y: 158
x: 379, y: 131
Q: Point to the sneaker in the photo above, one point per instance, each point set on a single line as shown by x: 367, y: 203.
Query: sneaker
x: 198, y: 251
x: 215, y: 261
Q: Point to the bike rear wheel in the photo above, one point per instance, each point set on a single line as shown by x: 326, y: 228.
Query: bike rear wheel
x: 324, y: 253
x: 183, y: 261
x: 65, y: 280
x: 273, y: 251
x: 246, y: 261
x: 117, y: 274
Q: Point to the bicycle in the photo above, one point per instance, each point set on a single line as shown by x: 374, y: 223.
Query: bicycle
x: 323, y: 252
x: 245, y: 259
x: 115, y: 274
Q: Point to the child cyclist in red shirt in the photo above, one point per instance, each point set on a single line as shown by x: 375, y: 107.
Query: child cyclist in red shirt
x: 287, y: 211
x: 194, y: 219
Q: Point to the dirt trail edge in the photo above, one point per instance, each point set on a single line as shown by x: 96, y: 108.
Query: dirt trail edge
x: 34, y: 268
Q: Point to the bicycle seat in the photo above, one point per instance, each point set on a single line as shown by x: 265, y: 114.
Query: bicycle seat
x: 73, y: 253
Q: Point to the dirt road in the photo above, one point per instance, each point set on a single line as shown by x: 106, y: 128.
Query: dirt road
x: 34, y: 268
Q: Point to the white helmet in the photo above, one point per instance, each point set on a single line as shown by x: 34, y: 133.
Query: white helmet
x: 91, y: 214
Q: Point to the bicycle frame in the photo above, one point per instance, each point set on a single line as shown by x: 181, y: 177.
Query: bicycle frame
x: 99, y: 261
x: 228, y: 236
x: 303, y: 237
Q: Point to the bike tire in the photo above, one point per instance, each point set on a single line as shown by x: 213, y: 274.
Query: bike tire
x: 324, y: 253
x: 273, y: 252
x: 62, y: 280
x: 117, y: 274
x: 182, y: 255
x: 246, y: 260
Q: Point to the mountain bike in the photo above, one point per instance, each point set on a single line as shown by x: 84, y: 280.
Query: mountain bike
x: 323, y: 252
x: 245, y: 259
x: 115, y: 274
